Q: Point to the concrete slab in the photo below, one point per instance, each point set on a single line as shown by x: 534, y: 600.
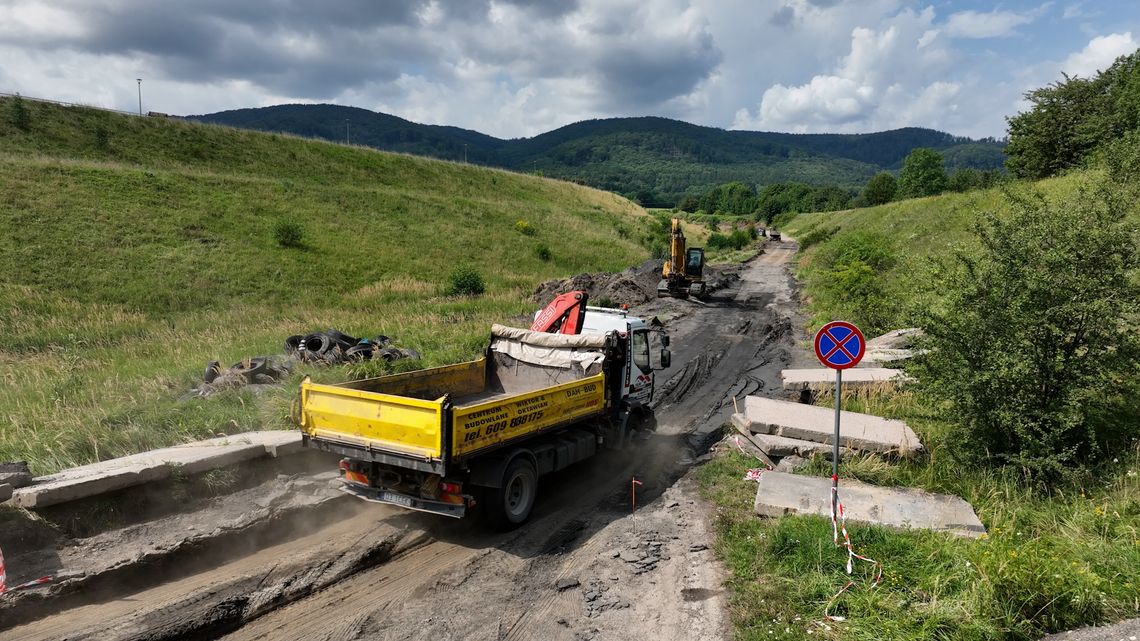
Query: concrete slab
x: 817, y: 424
x: 894, y: 339
x: 821, y: 379
x: 136, y: 469
x: 779, y: 494
x: 5, y: 492
x: 779, y: 446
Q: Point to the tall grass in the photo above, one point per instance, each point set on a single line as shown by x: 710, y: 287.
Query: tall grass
x: 134, y: 257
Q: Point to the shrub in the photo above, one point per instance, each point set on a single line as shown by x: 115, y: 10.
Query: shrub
x: 850, y: 280
x: 543, y: 253
x: 289, y: 234
x: 524, y: 228
x: 465, y: 281
x: 102, y: 138
x: 815, y: 236
x: 1036, y: 346
x: 20, y: 118
x: 739, y: 238
x: 717, y: 241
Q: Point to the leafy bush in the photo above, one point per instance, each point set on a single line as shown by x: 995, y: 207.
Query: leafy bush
x: 465, y: 281
x: 815, y: 236
x: 543, y: 253
x: 738, y: 239
x: 102, y: 138
x: 1036, y: 346
x: 525, y: 228
x: 850, y: 279
x: 289, y: 234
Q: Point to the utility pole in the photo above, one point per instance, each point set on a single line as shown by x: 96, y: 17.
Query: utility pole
x: 139, y: 80
x: 347, y: 140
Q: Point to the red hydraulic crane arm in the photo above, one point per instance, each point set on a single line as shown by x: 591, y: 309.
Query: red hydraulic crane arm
x: 564, y: 315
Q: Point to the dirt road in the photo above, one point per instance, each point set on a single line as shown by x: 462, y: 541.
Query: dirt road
x: 585, y: 566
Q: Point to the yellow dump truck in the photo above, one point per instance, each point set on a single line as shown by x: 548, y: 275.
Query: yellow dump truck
x: 449, y: 438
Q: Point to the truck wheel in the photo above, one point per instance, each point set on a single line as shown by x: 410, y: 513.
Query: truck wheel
x: 515, y: 499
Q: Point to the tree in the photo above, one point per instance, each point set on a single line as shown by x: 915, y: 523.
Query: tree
x: 1035, y: 345
x: 1071, y: 118
x: 1058, y: 131
x: 922, y: 174
x: 880, y: 189
x: 689, y: 204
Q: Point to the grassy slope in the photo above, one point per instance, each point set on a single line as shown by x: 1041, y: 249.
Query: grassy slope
x: 131, y: 264
x: 1047, y: 564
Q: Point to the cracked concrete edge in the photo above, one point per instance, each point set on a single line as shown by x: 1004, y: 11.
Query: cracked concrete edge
x: 56, y: 489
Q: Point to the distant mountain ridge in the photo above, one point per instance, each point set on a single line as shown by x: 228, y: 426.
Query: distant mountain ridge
x: 655, y: 160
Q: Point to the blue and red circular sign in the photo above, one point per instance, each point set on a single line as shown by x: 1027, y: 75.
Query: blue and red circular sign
x: 839, y: 345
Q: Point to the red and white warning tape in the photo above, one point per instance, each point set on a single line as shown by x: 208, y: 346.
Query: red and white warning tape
x: 840, y: 525
x: 4, y: 580
x: 755, y: 473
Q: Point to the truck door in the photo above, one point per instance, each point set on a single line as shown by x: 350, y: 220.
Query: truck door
x: 641, y: 373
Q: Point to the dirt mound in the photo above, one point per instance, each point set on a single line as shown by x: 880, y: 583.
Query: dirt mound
x: 633, y: 286
x: 630, y: 287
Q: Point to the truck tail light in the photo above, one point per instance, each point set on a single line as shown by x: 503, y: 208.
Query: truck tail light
x: 355, y: 477
x: 450, y: 488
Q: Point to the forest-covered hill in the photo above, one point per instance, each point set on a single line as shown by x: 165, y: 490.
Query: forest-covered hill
x: 655, y: 160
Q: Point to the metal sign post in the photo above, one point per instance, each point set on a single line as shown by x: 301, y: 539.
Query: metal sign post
x: 838, y: 345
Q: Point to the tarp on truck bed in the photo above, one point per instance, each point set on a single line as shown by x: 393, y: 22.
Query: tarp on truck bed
x: 579, y: 351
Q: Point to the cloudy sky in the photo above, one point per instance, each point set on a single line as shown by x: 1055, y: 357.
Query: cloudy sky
x: 514, y: 68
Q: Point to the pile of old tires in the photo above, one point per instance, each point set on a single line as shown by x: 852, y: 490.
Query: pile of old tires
x: 258, y: 370
x: 333, y: 346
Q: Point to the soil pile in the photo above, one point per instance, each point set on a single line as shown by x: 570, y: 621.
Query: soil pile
x: 633, y: 286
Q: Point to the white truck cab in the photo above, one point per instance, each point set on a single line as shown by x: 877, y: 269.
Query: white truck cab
x: 638, y: 384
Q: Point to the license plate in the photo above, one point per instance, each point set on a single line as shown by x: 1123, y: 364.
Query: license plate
x: 396, y: 499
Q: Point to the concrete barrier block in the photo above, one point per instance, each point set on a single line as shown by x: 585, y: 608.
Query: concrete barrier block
x: 779, y: 494
x: 817, y: 424
x: 822, y: 379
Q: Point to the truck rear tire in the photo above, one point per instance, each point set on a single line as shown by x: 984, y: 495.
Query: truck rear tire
x: 513, y: 502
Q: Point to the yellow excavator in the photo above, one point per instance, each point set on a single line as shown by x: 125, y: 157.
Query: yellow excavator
x: 683, y: 274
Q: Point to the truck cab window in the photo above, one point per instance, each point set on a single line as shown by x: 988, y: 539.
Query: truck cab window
x: 641, y: 350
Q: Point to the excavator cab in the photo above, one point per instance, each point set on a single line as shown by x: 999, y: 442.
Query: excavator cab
x: 695, y: 263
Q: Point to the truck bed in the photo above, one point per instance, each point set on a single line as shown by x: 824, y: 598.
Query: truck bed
x: 527, y: 384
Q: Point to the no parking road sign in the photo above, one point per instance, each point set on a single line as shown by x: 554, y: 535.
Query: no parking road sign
x: 839, y: 345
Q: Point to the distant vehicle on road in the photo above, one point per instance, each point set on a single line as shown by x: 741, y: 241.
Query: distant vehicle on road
x: 773, y: 234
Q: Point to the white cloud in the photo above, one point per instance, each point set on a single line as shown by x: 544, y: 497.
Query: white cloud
x: 1099, y: 54
x: 994, y: 24
x: 885, y: 80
